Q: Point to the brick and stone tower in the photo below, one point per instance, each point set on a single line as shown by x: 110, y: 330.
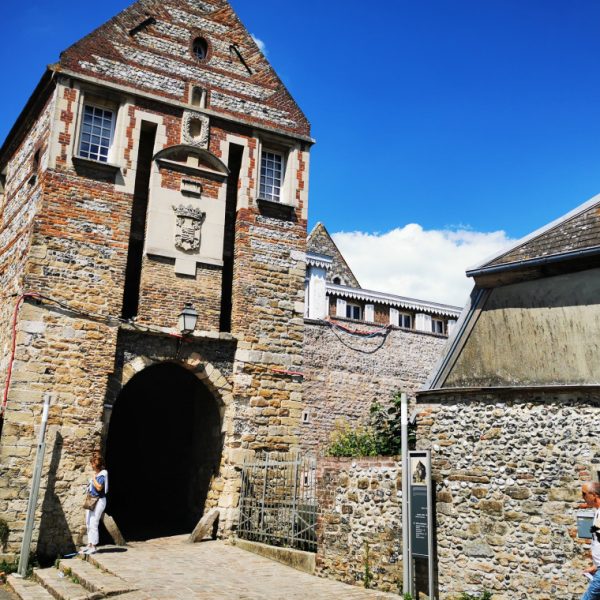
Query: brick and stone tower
x: 160, y: 162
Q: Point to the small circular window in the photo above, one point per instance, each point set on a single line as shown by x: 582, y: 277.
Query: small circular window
x: 200, y: 48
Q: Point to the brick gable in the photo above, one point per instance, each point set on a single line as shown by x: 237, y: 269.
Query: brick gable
x: 149, y: 46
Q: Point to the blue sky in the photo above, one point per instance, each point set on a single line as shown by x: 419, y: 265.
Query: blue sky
x: 455, y: 115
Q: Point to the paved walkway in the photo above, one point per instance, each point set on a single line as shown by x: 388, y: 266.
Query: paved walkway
x: 170, y: 569
x: 6, y: 594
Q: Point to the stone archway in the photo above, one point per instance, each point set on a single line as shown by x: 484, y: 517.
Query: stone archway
x: 163, y: 447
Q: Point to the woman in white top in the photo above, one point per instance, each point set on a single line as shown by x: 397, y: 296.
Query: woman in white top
x: 97, y: 489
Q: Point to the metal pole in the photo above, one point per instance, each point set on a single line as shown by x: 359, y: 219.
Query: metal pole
x: 430, y: 524
x: 33, y: 494
x: 406, y: 554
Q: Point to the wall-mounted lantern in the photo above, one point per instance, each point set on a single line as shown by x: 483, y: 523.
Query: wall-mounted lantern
x: 188, y: 318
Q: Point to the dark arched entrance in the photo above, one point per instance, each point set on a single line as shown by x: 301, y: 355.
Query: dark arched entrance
x: 164, y: 445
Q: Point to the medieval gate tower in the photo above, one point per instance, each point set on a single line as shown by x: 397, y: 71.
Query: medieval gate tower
x: 160, y: 162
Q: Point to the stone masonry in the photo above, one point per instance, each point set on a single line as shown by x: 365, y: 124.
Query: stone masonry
x: 359, y: 528
x: 69, y: 226
x: 345, y: 373
x: 508, y: 469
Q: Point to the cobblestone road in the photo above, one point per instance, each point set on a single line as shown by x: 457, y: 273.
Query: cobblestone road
x: 170, y: 569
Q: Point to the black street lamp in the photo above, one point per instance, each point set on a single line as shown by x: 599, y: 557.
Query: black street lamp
x: 188, y: 318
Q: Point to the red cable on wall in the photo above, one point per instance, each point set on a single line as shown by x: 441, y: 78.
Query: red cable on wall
x: 14, y: 347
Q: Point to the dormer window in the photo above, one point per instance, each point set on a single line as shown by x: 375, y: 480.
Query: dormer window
x: 437, y: 326
x: 97, y: 132
x: 271, y: 175
x: 353, y: 311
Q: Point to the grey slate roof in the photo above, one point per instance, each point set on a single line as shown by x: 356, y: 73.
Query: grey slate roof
x: 577, y: 230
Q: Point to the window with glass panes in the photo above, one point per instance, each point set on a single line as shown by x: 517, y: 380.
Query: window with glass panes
x: 437, y: 326
x: 271, y: 175
x: 405, y: 321
x: 97, y: 128
x: 353, y: 311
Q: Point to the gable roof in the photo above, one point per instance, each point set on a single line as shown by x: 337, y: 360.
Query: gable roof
x: 320, y: 242
x: 577, y: 231
x: 149, y: 45
x: 147, y: 48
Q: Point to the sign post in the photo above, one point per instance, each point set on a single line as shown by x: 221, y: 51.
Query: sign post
x: 406, y: 559
x: 420, y: 511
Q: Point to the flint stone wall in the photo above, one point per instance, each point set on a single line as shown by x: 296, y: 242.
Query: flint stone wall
x: 344, y: 374
x: 360, y: 505
x: 508, y: 467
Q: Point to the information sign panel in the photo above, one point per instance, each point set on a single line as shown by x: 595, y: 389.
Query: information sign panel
x: 421, y: 516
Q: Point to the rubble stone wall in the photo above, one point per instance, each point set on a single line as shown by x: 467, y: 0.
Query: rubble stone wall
x: 344, y: 373
x: 359, y: 525
x: 508, y: 467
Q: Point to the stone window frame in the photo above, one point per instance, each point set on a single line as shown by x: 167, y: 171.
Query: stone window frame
x: 198, y: 96
x: 271, y: 161
x: 107, y: 121
x: 106, y: 100
x: 287, y: 149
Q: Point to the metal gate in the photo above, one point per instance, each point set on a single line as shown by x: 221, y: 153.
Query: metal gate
x: 278, y: 504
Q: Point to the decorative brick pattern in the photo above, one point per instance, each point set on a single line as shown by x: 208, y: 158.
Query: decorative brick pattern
x: 66, y: 234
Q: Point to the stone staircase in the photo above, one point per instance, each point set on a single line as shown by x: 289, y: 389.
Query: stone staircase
x: 74, y: 579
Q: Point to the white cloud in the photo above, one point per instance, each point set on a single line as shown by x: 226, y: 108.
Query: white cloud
x: 261, y: 45
x: 418, y: 263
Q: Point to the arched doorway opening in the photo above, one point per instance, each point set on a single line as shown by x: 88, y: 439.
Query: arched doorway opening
x: 163, y: 447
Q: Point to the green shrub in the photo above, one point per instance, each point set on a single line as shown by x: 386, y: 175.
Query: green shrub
x: 382, y: 436
x: 352, y: 441
x: 7, y: 567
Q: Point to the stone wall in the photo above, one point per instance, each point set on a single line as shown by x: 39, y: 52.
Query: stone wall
x: 508, y: 467
x: 18, y: 206
x: 359, y: 526
x: 344, y: 373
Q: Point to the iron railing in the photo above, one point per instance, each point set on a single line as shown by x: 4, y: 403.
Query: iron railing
x: 278, y: 503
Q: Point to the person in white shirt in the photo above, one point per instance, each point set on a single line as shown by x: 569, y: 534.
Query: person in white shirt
x: 591, y: 494
x: 95, y: 502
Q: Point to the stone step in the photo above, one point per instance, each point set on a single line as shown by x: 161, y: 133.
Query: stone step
x: 26, y: 589
x: 94, y: 579
x: 63, y: 587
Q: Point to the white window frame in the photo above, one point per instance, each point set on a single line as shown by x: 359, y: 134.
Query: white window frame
x: 111, y: 139
x: 402, y: 320
x: 437, y: 324
x: 351, y: 307
x: 264, y: 194
x: 289, y: 154
x: 105, y: 100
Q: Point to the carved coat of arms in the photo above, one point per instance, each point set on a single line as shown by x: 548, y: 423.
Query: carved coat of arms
x: 188, y: 227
